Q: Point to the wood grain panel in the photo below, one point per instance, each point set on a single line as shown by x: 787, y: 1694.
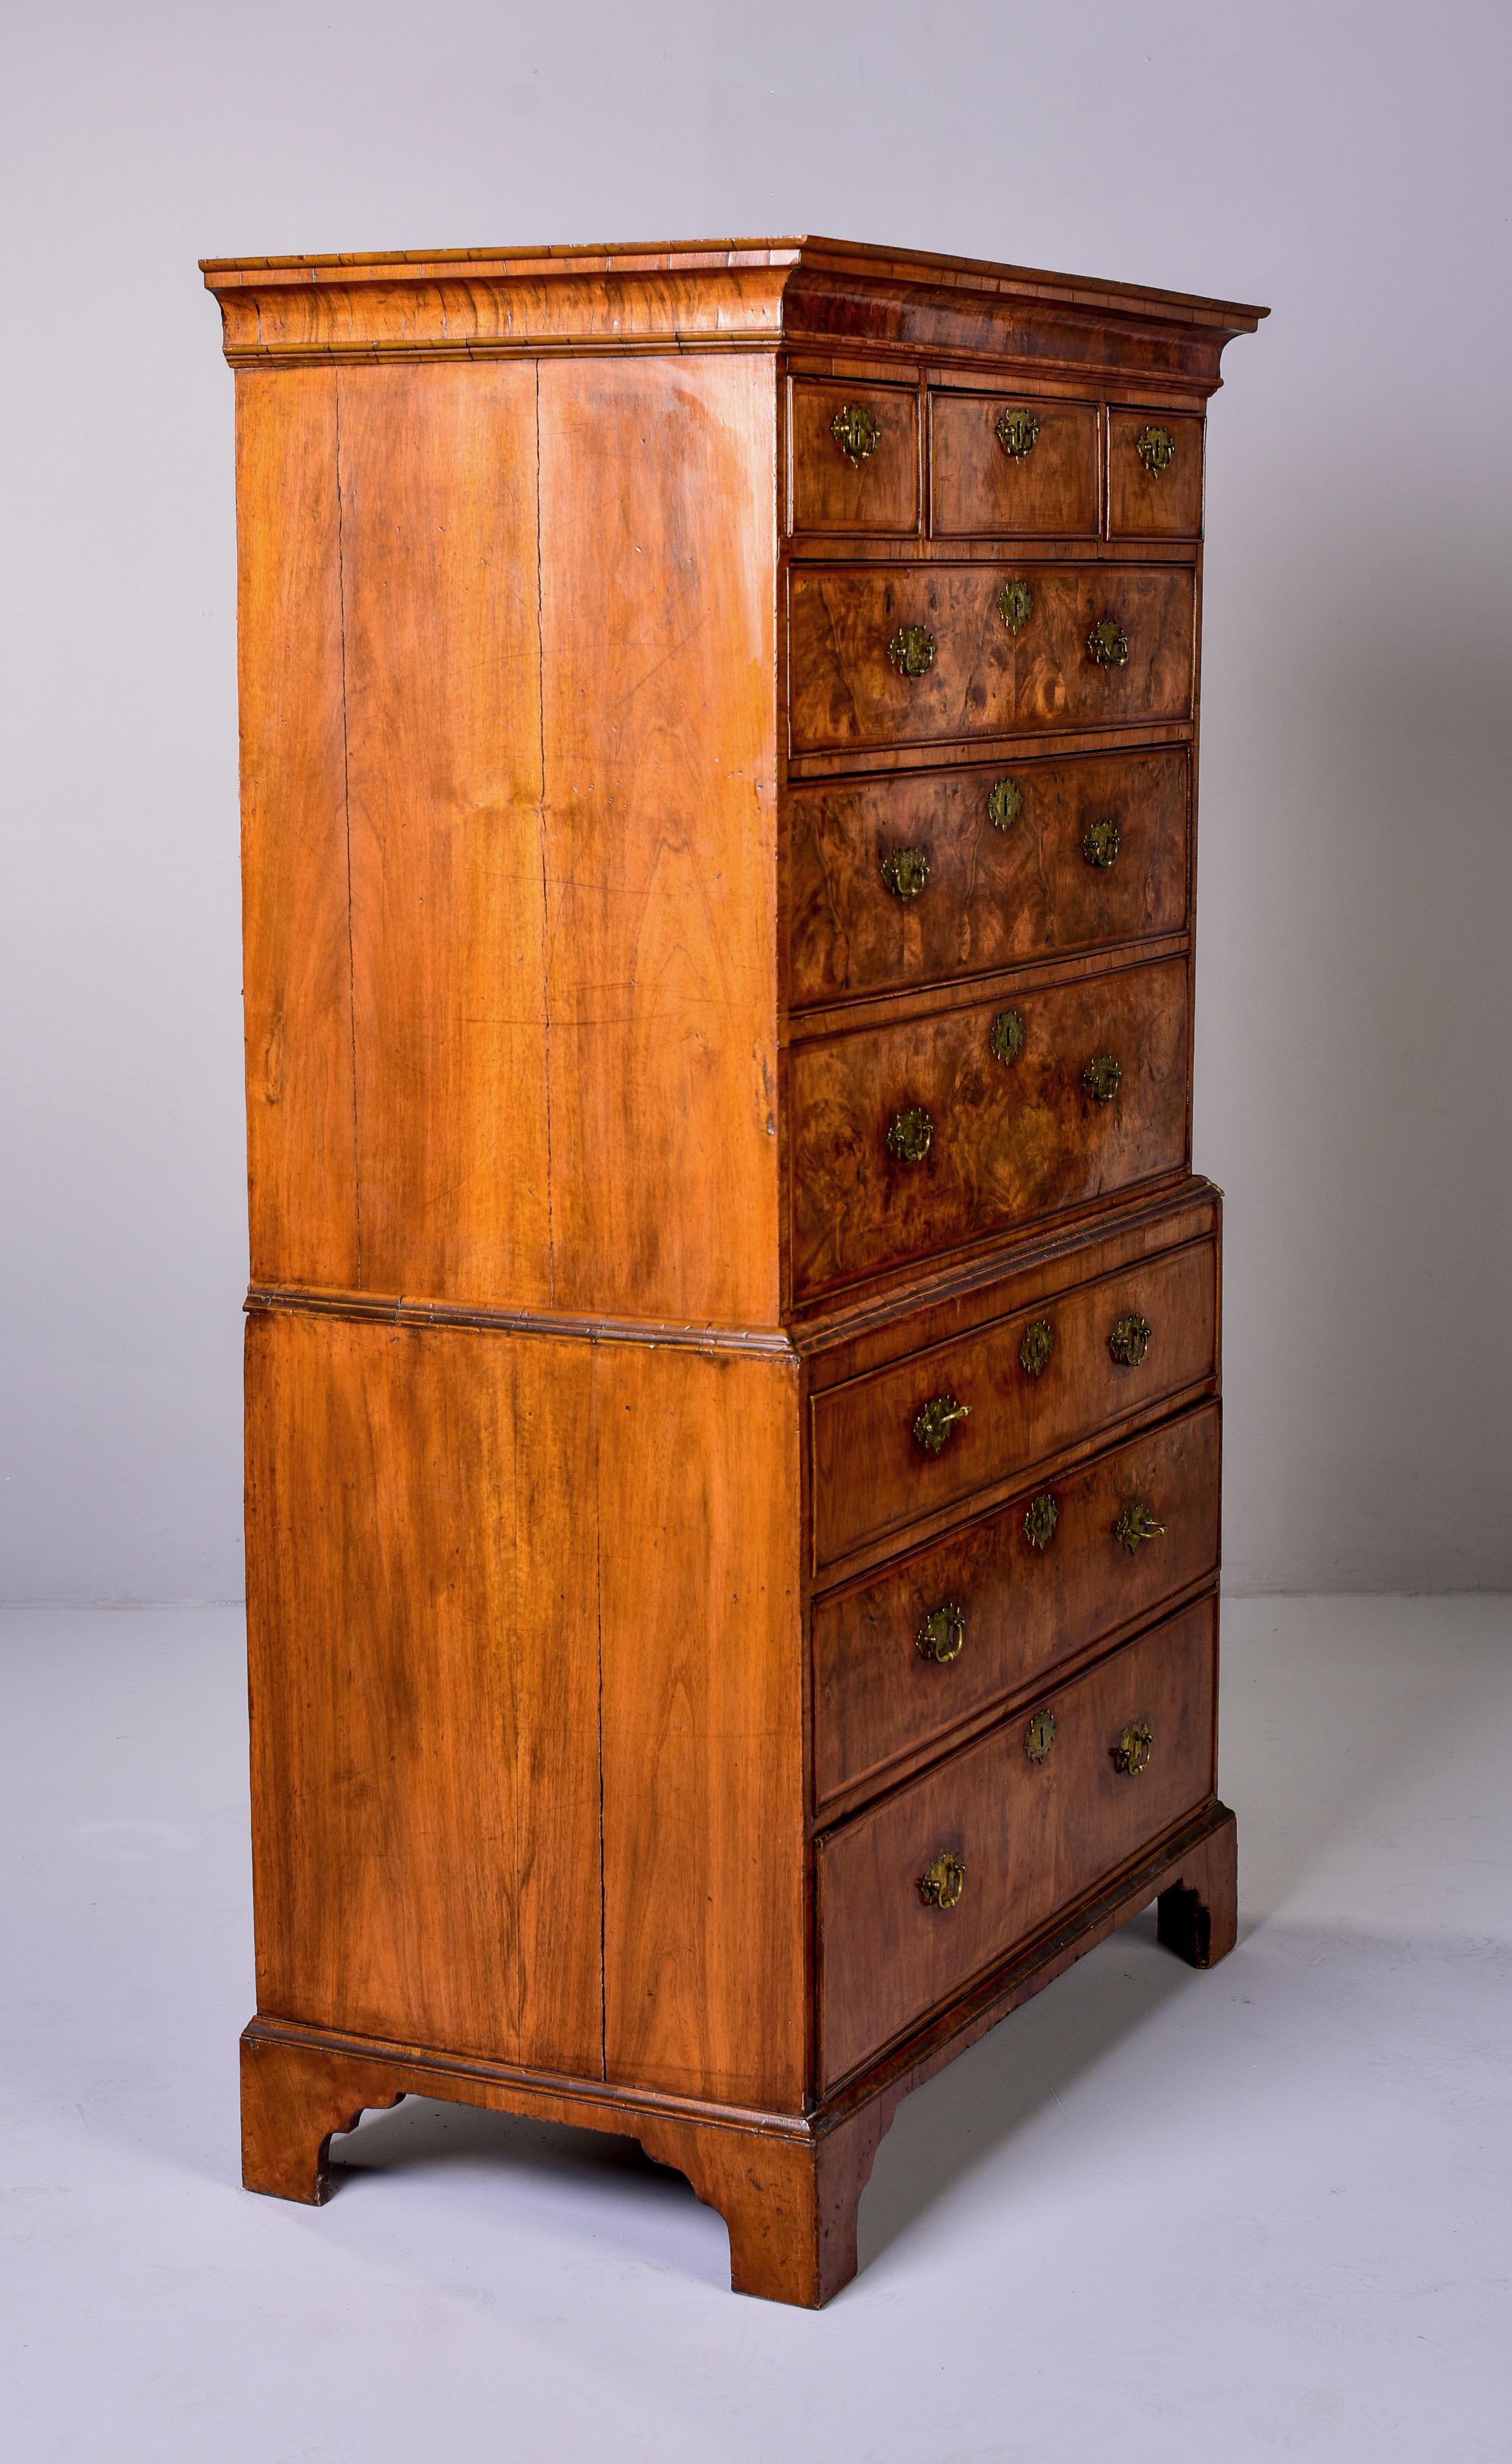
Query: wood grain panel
x: 1154, y: 505
x: 1034, y: 1838
x: 1010, y: 1140
x: 845, y: 691
x: 992, y: 896
x: 870, y: 1474
x: 702, y: 1725
x: 829, y: 492
x: 877, y: 1696
x: 978, y: 488
x: 422, y: 1626
x: 301, y: 1178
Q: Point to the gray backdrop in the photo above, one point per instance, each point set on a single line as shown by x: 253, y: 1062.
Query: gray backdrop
x: 1346, y: 164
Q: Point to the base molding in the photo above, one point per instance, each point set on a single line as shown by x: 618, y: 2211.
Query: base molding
x: 788, y: 2186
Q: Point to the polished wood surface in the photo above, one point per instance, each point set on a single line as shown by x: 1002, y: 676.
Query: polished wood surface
x: 993, y: 897
x: 977, y: 488
x: 1150, y: 504
x: 833, y: 492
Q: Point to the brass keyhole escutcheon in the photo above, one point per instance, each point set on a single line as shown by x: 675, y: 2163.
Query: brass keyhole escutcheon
x: 912, y: 649
x: 855, y: 430
x: 910, y: 1135
x: 937, y: 1422
x: 1005, y: 802
x: 1135, y: 1525
x: 1006, y: 1041
x: 1103, y: 1078
x: 1039, y: 1342
x: 1018, y: 433
x: 1131, y: 1340
x: 1016, y: 605
x: 942, y: 1881
x: 1156, y: 448
x: 1134, y: 1749
x: 906, y: 871
x: 1101, y: 842
x: 943, y: 1633
x: 1108, y: 644
x: 1039, y: 1735
x: 1040, y: 1520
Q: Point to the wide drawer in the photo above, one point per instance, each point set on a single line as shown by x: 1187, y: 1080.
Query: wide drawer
x: 1031, y: 1385
x: 1011, y: 464
x: 918, y: 1137
x: 910, y: 880
x: 1005, y: 1842
x: 1154, y: 475
x: 943, y: 651
x: 855, y: 457
x: 901, y: 1660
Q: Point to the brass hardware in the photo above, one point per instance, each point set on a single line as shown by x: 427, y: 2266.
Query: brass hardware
x: 1006, y: 1038
x: 912, y: 649
x: 936, y: 1425
x: 856, y: 431
x: 1135, y: 1523
x: 1016, y: 605
x: 1101, y: 842
x: 1039, y: 1342
x: 1004, y: 803
x: 1108, y: 644
x: 1132, y: 1753
x: 943, y: 1633
x: 1018, y: 433
x: 906, y: 871
x: 1039, y: 1736
x: 909, y: 1138
x: 1129, y: 1340
x: 1156, y: 448
x: 1103, y: 1078
x: 943, y: 1881
x: 1040, y: 1521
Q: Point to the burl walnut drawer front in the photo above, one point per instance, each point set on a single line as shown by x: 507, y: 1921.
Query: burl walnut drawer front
x: 920, y: 655
x: 1004, y: 463
x: 855, y: 457
x: 915, y: 1138
x: 1154, y: 475
x: 939, y: 1427
x: 903, y: 1660
x: 920, y: 1895
x: 914, y: 879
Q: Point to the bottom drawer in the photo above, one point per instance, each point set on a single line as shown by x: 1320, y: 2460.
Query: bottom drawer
x: 1125, y: 1751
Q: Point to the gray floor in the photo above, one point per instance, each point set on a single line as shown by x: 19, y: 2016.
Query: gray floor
x: 1157, y: 2216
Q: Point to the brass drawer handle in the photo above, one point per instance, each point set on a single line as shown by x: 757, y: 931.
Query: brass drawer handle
x: 1006, y: 1038
x: 1134, y: 1749
x: 1101, y: 842
x: 912, y: 649
x: 1156, y: 448
x: 906, y: 871
x: 1135, y: 1524
x: 1039, y: 1735
x: 1040, y: 1521
x: 937, y: 1422
x: 1016, y: 605
x: 1108, y: 644
x: 1017, y: 433
x: 1103, y: 1078
x: 942, y: 1881
x: 1039, y: 1342
x: 855, y: 430
x: 1005, y: 802
x: 1130, y: 1339
x: 943, y: 1633
x: 908, y: 1139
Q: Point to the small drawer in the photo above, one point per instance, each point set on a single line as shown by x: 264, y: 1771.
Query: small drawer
x: 913, y: 880
x: 900, y: 1661
x: 916, y: 1138
x: 925, y: 654
x: 1154, y: 475
x: 1006, y: 464
x: 1046, y: 1378
x: 854, y: 451
x: 939, y: 1883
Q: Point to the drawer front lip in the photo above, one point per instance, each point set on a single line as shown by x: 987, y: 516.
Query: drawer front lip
x: 993, y: 899
x: 879, y: 1703
x: 1011, y: 1141
x: 1143, y: 504
x: 829, y: 492
x: 844, y: 691
x: 871, y: 1479
x: 1035, y: 1838
x: 977, y: 490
